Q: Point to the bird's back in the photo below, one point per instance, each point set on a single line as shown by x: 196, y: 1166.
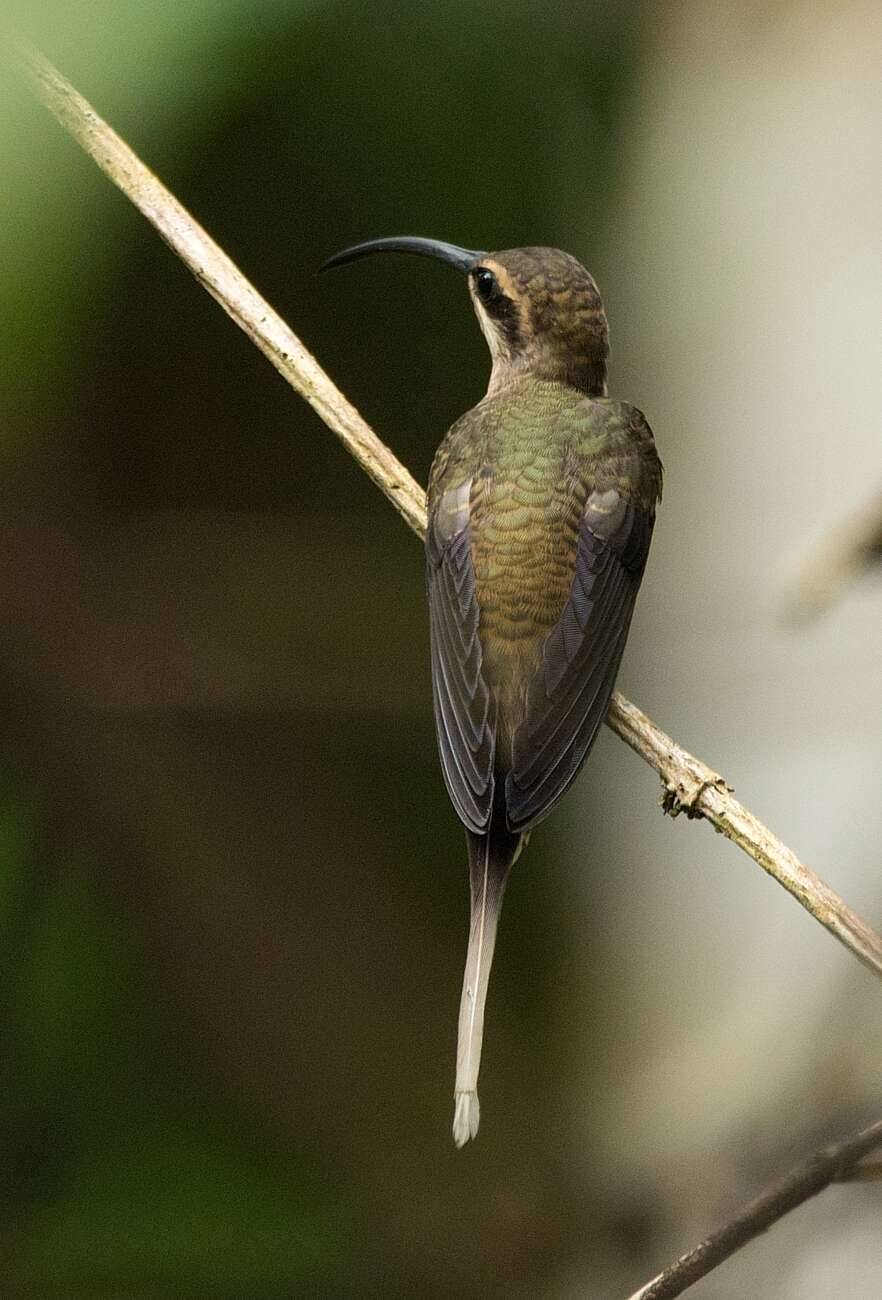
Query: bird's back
x: 515, y: 473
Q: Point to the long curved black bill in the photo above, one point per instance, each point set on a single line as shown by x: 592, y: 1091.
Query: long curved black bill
x: 460, y: 258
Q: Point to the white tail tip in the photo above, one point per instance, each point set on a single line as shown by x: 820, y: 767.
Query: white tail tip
x: 466, y: 1117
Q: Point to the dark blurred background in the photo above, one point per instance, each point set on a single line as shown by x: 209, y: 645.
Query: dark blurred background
x: 233, y: 894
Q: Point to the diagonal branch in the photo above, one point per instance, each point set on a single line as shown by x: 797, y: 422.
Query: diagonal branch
x: 689, y: 786
x: 835, y: 1163
x: 217, y: 273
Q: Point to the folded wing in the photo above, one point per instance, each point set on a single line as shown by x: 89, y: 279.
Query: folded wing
x: 464, y: 711
x: 568, y: 698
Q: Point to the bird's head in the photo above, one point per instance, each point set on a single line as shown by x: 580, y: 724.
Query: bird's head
x: 539, y: 309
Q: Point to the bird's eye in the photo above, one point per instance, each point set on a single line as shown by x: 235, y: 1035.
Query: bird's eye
x: 485, y: 284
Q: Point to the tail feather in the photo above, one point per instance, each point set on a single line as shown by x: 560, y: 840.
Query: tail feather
x: 490, y: 859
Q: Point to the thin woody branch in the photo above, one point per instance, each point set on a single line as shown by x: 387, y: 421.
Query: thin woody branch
x: 217, y: 273
x: 690, y: 786
x: 835, y: 1163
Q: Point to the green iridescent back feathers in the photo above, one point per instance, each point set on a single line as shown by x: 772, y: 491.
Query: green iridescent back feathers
x: 541, y: 508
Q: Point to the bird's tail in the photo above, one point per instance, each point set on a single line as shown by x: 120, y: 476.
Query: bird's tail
x: 490, y: 859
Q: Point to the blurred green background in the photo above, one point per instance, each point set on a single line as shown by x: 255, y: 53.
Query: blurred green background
x: 233, y: 894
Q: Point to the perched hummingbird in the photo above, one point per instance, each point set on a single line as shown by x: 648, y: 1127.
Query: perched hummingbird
x: 541, y: 506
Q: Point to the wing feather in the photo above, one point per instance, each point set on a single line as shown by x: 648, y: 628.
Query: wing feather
x: 464, y: 710
x: 568, y: 698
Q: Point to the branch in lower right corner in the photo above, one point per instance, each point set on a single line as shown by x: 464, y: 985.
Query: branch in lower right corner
x: 835, y: 1163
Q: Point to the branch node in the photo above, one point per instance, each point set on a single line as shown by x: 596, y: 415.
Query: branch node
x: 684, y: 795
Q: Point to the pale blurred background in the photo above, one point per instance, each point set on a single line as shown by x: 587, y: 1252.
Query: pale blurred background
x: 233, y: 892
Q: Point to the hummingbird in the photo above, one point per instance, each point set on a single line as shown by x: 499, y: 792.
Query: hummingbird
x: 541, y: 506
